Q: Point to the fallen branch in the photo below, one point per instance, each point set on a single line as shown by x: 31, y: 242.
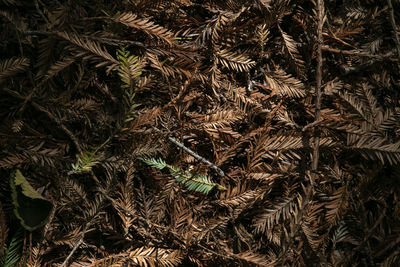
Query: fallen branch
x: 394, y: 26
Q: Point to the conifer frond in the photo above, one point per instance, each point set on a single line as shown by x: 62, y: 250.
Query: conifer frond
x: 336, y: 205
x: 375, y: 148
x: 254, y: 259
x: 155, y: 256
x: 85, y: 161
x: 238, y: 196
x: 145, y: 24
x: 309, y: 228
x: 129, y: 69
x: 12, y: 66
x: 197, y: 182
x: 271, y: 216
x: 221, y: 118
x: 90, y: 50
x: 296, y: 101
x: 355, y: 103
x: 292, y: 53
x: 234, y: 61
x: 11, y: 255
x: 284, y: 84
x: 59, y: 66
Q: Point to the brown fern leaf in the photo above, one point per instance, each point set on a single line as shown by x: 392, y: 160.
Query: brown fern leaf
x: 369, y: 102
x: 155, y: 257
x: 245, y: 104
x: 239, y: 195
x: 254, y: 258
x: 355, y: 103
x: 333, y: 87
x: 144, y: 24
x: 234, y: 61
x: 284, y: 210
x: 293, y: 53
x: 34, y: 259
x: 264, y: 176
x: 12, y: 66
x: 145, y: 117
x: 214, y: 28
x: 221, y: 118
x: 310, y: 227
x: 284, y: 84
x: 219, y: 23
x: 59, y: 66
x: 88, y: 48
x: 375, y: 148
x: 335, y: 205
x: 126, y: 200
x: 178, y: 68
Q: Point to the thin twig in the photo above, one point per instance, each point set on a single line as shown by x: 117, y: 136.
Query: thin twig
x: 308, y: 191
x: 76, y: 246
x: 315, y: 160
x: 192, y: 153
x: 103, y: 39
x: 356, y: 52
x: 394, y: 26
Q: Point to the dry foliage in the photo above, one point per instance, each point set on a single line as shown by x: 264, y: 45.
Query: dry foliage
x: 221, y: 89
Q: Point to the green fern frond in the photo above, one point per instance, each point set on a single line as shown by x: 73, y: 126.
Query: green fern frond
x: 155, y: 163
x: 129, y: 69
x: 198, y: 182
x: 11, y: 255
x: 85, y: 161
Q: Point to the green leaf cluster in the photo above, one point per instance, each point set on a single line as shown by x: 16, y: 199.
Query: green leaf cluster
x: 194, y: 182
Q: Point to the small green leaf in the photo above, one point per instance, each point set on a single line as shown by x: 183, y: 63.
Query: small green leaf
x: 30, y: 207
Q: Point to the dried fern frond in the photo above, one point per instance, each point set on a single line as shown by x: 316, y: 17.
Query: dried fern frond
x: 59, y: 66
x: 177, y: 68
x: 283, y: 210
x: 254, y: 259
x: 155, y: 257
x: 293, y: 53
x: 310, y: 229
x: 335, y: 205
x: 12, y: 66
x: 239, y: 196
x: 375, y: 148
x: 234, y: 61
x: 355, y: 103
x: 144, y: 24
x: 221, y: 118
x: 90, y: 50
x: 284, y: 84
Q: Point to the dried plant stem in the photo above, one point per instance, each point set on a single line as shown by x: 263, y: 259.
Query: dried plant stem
x: 355, y: 52
x: 394, y: 26
x: 101, y: 39
x: 192, y: 153
x: 76, y: 246
x: 318, y: 93
x: 308, y: 191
